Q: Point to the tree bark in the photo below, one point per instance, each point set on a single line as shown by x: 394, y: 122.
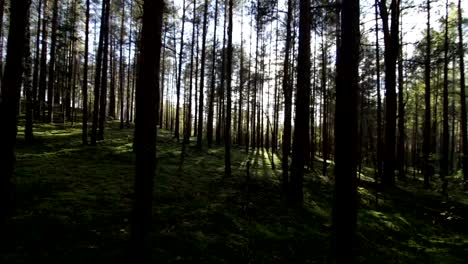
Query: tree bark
x: 202, y: 78
x: 53, y: 46
x: 346, y: 127
x: 391, y: 41
x: 11, y: 85
x: 105, y: 57
x: 43, y: 66
x: 444, y: 163
x: 145, y: 128
x: 84, y: 137
x: 27, y: 83
x: 287, y: 90
x: 179, y: 77
x: 461, y: 55
x: 97, y: 76
x: 209, y: 123
x: 227, y: 130
x: 301, y: 124
x: 426, y: 149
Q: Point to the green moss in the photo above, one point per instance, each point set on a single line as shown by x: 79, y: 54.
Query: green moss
x: 74, y: 204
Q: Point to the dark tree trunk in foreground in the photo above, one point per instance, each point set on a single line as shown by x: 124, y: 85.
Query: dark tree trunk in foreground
x: 11, y: 85
x: 391, y: 41
x: 227, y: 129
x: 346, y: 134
x: 301, y: 124
x: 461, y: 54
x: 53, y: 47
x: 85, y: 78
x: 426, y: 148
x: 202, y: 78
x: 287, y: 90
x: 147, y: 96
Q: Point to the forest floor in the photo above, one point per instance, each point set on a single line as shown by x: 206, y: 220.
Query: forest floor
x: 74, y: 203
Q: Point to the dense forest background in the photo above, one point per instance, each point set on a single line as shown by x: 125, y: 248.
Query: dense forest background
x: 233, y: 131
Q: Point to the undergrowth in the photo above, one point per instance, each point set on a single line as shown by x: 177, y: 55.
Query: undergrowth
x: 74, y: 204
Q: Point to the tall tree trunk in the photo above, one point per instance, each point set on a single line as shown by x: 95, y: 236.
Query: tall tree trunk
x: 122, y: 67
x: 97, y: 76
x: 85, y: 78
x: 241, y: 80
x: 401, y: 113
x: 179, y: 77
x: 379, y: 100
x: 11, y: 85
x: 346, y: 127
x: 427, y: 100
x: 53, y: 47
x: 227, y: 130
x: 27, y: 83
x: 43, y: 67
x: 163, y: 78
x: 2, y: 11
x: 130, y: 89
x: 287, y: 90
x: 202, y: 78
x: 461, y: 55
x: 105, y: 57
x: 301, y: 124
x: 325, y: 106
x: 391, y: 40
x: 192, y: 66
x: 35, y: 84
x: 145, y: 129
x: 249, y: 83
x: 444, y: 166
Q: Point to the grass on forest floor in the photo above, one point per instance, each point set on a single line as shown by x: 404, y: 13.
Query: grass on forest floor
x: 74, y: 203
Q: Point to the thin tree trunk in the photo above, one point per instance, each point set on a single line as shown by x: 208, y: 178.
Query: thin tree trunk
x: 36, y: 60
x: 179, y: 78
x: 122, y: 67
x: 227, y: 130
x: 287, y: 90
x: 379, y: 100
x: 43, y: 67
x: 209, y: 123
x: 53, y: 46
x: 427, y: 100
x: 105, y: 57
x: 27, y: 83
x: 85, y: 78
x: 202, y: 78
x: 444, y: 167
x: 461, y: 55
